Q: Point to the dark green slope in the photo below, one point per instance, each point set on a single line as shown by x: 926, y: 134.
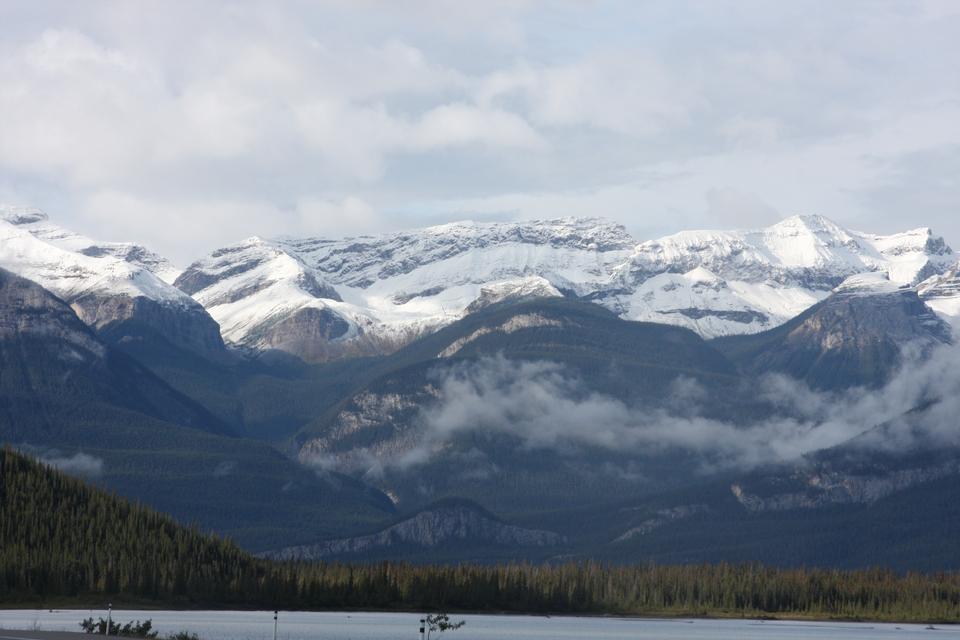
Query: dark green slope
x: 861, y: 503
x: 266, y: 399
x: 589, y: 336
x: 914, y: 529
x: 52, y: 364
x: 633, y: 363
x: 62, y: 391
x: 59, y: 537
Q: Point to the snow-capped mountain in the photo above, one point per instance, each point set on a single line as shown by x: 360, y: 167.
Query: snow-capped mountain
x: 322, y: 298
x: 266, y: 297
x: 732, y: 282
x: 107, y: 284
x: 942, y: 294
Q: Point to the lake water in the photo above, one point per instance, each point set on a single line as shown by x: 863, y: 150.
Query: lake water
x: 258, y: 625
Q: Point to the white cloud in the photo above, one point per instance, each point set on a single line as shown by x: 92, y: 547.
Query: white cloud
x: 660, y: 114
x: 360, y: 138
x: 841, y: 178
x: 207, y: 223
x: 337, y: 218
x: 459, y: 123
x: 79, y: 464
x: 624, y: 92
x: 544, y: 405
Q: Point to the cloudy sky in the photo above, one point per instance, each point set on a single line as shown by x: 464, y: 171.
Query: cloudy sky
x: 189, y: 125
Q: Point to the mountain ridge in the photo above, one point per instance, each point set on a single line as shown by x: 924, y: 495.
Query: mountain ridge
x: 384, y: 291
x: 325, y: 299
x: 109, y: 285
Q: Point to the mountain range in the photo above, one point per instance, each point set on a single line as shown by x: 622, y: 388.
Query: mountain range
x: 485, y: 391
x: 328, y: 299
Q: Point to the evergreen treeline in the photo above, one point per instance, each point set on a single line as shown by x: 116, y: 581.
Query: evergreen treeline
x: 61, y: 539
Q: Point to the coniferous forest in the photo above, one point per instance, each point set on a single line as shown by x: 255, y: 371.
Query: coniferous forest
x: 63, y: 541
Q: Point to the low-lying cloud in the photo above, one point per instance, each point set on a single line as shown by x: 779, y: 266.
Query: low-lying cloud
x: 546, y: 406
x: 79, y: 464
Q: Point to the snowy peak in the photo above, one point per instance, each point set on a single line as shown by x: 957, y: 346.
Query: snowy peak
x: 46, y: 254
x: 807, y: 242
x: 809, y: 226
x: 38, y: 224
x: 870, y: 283
x: 109, y: 285
x: 376, y: 293
x: 265, y: 297
x: 809, y: 251
x: 361, y: 262
x: 382, y: 291
x: 21, y: 215
x: 942, y: 294
x: 513, y: 291
x: 765, y: 276
x: 254, y: 264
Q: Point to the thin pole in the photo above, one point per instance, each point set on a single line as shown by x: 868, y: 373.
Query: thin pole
x: 423, y: 628
x: 275, y: 614
x: 110, y: 617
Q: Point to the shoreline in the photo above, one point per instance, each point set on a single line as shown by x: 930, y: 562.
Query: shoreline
x: 652, y: 615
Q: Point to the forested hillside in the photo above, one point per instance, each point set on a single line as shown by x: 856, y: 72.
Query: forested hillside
x: 59, y: 537
x: 64, y: 392
x: 63, y: 540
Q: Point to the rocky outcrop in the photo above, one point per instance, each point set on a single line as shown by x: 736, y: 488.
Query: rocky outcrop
x: 373, y: 429
x: 53, y: 367
x: 28, y: 312
x: 117, y: 288
x: 854, y: 338
x: 513, y: 291
x: 942, y: 294
x: 823, y: 488
x: 311, y: 333
x: 660, y: 518
x: 122, y: 318
x: 515, y: 323
x: 433, y: 527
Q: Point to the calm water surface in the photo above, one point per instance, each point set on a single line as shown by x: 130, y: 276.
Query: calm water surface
x: 258, y: 625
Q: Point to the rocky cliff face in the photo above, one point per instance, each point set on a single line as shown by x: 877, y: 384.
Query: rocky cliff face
x: 819, y: 488
x: 661, y: 518
x: 55, y: 372
x: 121, y: 318
x: 942, y: 294
x: 432, y: 527
x: 116, y: 288
x: 27, y: 312
x: 372, y: 429
x: 856, y: 337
